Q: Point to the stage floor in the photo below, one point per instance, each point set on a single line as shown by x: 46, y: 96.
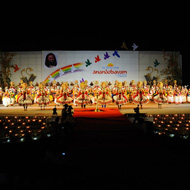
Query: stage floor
x: 150, y: 108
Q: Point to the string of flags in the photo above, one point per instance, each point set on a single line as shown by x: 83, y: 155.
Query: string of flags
x: 106, y: 56
x: 124, y: 46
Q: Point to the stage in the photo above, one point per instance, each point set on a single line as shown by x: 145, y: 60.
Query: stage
x: 151, y: 108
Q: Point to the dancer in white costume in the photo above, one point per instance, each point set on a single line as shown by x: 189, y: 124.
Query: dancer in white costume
x: 177, y: 96
x: 75, y: 92
x: 95, y: 90
x: 170, y: 95
x: 9, y: 96
x: 140, y: 97
x: 188, y: 96
x: 24, y: 98
x: 104, y: 96
x: 6, y: 99
x: 160, y: 98
x: 82, y: 98
x: 42, y: 98
x: 120, y: 97
x: 54, y: 89
x: 63, y: 97
x: 184, y: 94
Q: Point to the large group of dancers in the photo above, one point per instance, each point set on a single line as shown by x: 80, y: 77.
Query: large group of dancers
x: 102, y: 93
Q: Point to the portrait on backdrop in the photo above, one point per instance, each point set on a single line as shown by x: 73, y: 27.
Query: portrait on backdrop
x: 50, y: 60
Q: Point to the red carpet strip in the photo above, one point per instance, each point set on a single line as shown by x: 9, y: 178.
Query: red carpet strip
x: 103, y: 113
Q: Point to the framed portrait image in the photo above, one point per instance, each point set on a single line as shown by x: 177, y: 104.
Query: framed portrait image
x: 50, y: 59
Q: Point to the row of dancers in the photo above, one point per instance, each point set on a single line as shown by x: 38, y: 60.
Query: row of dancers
x: 102, y: 93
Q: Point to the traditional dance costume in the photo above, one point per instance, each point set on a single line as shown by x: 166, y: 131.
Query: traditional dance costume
x: 82, y: 98
x: 42, y: 98
x: 160, y: 98
x: 64, y: 97
x: 104, y: 97
x: 170, y: 95
x: 75, y: 92
x: 54, y: 89
x: 188, y: 96
x: 6, y: 99
x: 12, y: 92
x: 177, y: 96
x: 184, y: 95
x: 24, y: 98
x: 120, y: 97
x: 140, y: 97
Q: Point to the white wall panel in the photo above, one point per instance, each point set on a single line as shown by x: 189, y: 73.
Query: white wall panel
x: 133, y: 64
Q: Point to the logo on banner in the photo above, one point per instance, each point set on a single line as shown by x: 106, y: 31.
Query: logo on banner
x: 110, y: 69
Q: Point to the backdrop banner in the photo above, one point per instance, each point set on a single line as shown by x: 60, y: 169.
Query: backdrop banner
x: 62, y: 66
x: 93, y: 65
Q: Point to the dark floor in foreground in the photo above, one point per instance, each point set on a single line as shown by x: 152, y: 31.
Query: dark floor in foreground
x: 105, y: 153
